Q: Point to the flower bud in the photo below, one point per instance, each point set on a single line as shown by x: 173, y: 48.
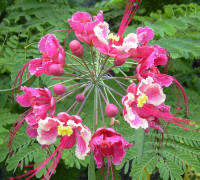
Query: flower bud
x: 111, y: 110
x: 56, y: 70
x: 120, y: 59
x: 80, y: 97
x: 76, y: 48
x: 59, y: 89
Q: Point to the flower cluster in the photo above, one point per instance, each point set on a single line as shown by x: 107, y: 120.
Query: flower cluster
x: 143, y: 104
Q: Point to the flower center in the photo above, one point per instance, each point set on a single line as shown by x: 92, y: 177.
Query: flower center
x: 113, y: 37
x: 65, y: 130
x: 141, y: 100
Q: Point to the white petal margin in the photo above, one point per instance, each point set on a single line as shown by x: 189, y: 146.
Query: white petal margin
x: 42, y: 127
x: 101, y: 31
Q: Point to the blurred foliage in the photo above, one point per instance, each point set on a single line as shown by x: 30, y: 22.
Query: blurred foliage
x: 176, y: 26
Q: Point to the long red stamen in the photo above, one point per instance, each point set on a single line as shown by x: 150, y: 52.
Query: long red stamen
x: 168, y: 117
x: 128, y: 15
x: 111, y: 167
x: 53, y: 166
x: 107, y: 167
x: 184, y: 96
x: 45, y: 162
x: 16, y: 126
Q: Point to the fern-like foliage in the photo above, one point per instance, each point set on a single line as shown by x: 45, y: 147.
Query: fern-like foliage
x: 176, y: 29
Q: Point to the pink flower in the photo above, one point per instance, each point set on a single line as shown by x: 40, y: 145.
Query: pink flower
x: 144, y: 106
x: 52, y: 54
x: 68, y: 127
x: 83, y: 25
x: 110, y: 44
x: 70, y: 130
x: 114, y: 44
x: 40, y: 100
x: 106, y: 142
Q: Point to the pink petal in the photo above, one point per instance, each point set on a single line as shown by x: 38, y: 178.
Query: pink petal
x: 145, y: 34
x: 155, y: 95
x: 70, y: 141
x: 47, y: 137
x: 31, y: 119
x: 98, y: 159
x: 42, y: 43
x: 51, y: 46
x: 24, y: 100
x: 118, y: 153
x: 82, y: 17
x: 35, y: 67
x: 81, y: 144
x: 32, y: 131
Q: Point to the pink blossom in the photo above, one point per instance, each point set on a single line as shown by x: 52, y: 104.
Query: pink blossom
x: 40, y: 100
x: 110, y: 44
x: 83, y: 25
x: 106, y: 142
x: 69, y: 129
x: 52, y: 54
x: 146, y: 92
x: 144, y: 106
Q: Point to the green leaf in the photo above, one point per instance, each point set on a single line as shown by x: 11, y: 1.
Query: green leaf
x: 139, y: 141
x: 91, y: 168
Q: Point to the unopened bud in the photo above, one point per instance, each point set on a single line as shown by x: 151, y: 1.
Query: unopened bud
x: 76, y: 48
x: 178, y: 108
x: 59, y: 89
x: 56, y: 70
x: 80, y: 97
x: 111, y: 110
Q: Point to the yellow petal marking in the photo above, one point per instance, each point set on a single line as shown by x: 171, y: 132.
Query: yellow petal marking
x: 65, y: 130
x: 113, y: 37
x: 141, y: 100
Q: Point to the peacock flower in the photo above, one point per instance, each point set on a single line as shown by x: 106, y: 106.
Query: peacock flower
x: 144, y: 106
x: 40, y: 100
x: 69, y: 129
x: 110, y: 44
x: 147, y: 92
x: 83, y: 25
x: 52, y: 54
x: 106, y: 142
